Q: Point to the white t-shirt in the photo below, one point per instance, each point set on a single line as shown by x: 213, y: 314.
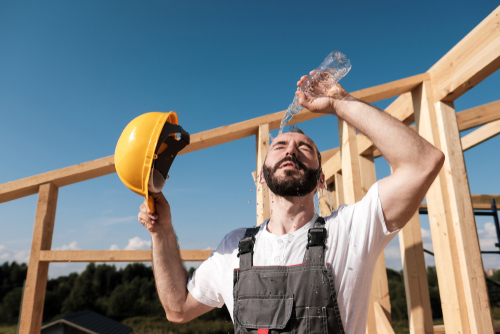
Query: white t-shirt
x: 356, y: 235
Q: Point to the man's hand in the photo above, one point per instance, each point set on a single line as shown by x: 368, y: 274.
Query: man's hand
x: 155, y: 222
x: 323, y: 104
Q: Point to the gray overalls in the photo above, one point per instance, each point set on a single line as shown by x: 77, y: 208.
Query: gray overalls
x: 286, y: 299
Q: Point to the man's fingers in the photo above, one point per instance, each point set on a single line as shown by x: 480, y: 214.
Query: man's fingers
x: 302, y: 99
x: 302, y: 79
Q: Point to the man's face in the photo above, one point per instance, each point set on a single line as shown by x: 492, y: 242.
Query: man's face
x: 292, y: 167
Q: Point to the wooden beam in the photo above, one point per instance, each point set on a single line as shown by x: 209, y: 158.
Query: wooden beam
x: 379, y: 293
x: 463, y: 221
x: 326, y: 155
x: 350, y: 163
x: 262, y: 146
x: 449, y: 277
x: 469, y: 62
x: 480, y: 135
x: 415, y: 276
x: 390, y: 89
x: 484, y: 201
x: 36, y: 280
x: 402, y: 109
x: 470, y: 118
x: 224, y: 134
x: 339, y: 190
x: 479, y: 202
x: 116, y: 255
x: 383, y: 323
x: 60, y: 177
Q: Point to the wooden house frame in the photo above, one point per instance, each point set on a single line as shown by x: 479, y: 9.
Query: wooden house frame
x: 425, y: 99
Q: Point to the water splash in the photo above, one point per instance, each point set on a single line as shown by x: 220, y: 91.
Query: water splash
x: 316, y: 203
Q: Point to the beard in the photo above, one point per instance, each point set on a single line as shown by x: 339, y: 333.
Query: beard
x: 290, y: 186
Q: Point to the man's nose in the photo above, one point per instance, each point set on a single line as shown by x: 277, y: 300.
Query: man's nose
x: 291, y: 150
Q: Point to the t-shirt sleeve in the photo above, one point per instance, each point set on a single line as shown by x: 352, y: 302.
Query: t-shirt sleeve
x: 204, y: 286
x: 365, y: 226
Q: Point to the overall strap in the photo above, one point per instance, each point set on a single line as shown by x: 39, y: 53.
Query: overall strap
x: 316, y: 238
x: 245, y: 248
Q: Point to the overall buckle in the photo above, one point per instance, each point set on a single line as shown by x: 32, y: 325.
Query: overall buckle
x: 316, y: 237
x: 246, y: 245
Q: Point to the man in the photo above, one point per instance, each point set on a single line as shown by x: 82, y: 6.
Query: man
x: 297, y: 272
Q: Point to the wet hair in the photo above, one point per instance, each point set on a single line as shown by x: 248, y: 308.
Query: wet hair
x: 296, y: 129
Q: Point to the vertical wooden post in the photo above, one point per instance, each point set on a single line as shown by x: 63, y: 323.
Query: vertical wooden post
x: 324, y: 204
x: 463, y: 221
x: 443, y: 237
x: 380, y: 286
x: 353, y: 192
x: 339, y: 190
x: 36, y: 280
x: 350, y: 163
x: 415, y: 276
x: 262, y: 146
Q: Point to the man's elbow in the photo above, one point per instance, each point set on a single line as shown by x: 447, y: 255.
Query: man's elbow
x: 434, y: 163
x: 176, y: 317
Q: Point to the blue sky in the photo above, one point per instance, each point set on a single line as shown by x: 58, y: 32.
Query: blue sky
x: 73, y: 74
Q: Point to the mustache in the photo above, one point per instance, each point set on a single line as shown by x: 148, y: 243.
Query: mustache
x: 293, y: 159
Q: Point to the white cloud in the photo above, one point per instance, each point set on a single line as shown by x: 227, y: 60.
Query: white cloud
x: 488, y: 237
x: 4, y: 256
x: 2, y: 247
x: 72, y: 246
x: 137, y: 243
x: 114, y: 247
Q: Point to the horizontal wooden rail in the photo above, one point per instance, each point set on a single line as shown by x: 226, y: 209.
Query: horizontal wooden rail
x: 480, y: 135
x: 391, y: 89
x: 60, y: 177
x: 402, y: 109
x: 470, y: 118
x: 115, y: 255
x: 479, y: 202
x: 104, y: 166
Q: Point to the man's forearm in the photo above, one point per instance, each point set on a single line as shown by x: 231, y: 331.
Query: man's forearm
x: 170, y: 275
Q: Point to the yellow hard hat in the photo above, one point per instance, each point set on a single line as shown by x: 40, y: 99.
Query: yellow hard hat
x: 145, y: 151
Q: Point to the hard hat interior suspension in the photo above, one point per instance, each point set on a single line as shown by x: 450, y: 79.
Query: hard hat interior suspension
x: 166, y: 150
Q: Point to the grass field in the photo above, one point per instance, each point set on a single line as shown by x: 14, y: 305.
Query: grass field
x: 8, y: 329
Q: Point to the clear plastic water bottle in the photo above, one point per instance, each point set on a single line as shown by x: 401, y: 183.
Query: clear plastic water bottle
x: 335, y: 66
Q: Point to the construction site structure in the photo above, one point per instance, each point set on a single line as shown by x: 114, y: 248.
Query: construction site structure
x: 427, y: 100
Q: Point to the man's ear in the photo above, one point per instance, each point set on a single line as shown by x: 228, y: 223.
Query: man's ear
x: 321, y: 181
x: 261, y: 176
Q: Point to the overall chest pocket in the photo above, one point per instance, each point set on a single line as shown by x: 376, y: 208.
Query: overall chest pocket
x: 266, y: 312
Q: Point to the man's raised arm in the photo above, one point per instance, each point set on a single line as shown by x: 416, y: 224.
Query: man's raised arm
x: 414, y: 161
x: 170, y: 275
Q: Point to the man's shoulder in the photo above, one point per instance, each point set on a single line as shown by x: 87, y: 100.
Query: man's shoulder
x: 231, y: 240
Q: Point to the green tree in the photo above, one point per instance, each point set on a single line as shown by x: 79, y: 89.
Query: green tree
x: 9, y: 308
